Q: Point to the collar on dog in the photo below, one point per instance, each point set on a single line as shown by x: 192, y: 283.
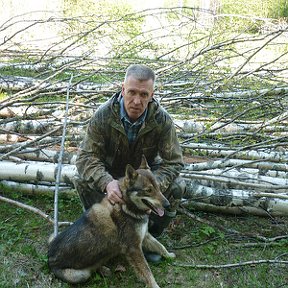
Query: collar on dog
x: 130, y: 213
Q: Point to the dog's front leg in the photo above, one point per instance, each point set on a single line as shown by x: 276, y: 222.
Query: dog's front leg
x: 153, y: 245
x: 136, y: 259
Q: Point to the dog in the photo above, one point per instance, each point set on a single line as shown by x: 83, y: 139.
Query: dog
x: 105, y: 231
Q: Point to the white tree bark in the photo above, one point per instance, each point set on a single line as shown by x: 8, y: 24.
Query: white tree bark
x: 30, y: 188
x: 223, y: 151
x: 17, y: 83
x: 30, y: 126
x: 226, y: 163
x: 236, y: 179
x: 36, y: 172
x: 235, y: 201
x: 198, y: 126
x: 46, y: 155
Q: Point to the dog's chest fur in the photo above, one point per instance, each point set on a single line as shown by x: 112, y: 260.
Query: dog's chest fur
x: 142, y: 229
x: 128, y: 225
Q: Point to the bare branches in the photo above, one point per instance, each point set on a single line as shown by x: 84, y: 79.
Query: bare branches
x: 226, y: 88
x: 32, y: 209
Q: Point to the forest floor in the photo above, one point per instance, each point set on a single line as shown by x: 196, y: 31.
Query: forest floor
x: 23, y: 250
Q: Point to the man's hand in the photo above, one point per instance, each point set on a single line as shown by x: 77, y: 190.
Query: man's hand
x: 114, y: 194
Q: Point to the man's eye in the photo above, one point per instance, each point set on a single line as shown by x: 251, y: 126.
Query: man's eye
x: 131, y: 93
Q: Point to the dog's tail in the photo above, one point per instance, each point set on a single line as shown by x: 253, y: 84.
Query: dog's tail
x: 72, y: 276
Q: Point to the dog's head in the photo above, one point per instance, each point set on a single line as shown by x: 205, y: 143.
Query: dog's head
x: 141, y: 191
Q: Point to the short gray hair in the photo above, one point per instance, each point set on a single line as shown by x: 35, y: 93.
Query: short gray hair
x: 140, y: 72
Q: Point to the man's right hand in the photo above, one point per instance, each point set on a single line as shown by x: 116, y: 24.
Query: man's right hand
x: 114, y: 194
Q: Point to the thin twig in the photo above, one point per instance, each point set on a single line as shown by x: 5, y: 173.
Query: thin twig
x: 230, y: 265
x: 59, y: 168
x: 19, y: 148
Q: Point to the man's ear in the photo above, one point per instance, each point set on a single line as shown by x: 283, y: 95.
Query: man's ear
x: 130, y: 173
x: 144, y: 164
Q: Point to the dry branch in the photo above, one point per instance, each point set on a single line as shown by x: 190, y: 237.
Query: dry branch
x: 231, y: 265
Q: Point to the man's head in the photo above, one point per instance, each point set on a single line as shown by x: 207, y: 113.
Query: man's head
x: 137, y: 90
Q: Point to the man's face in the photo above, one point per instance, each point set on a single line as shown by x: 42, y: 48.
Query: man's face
x: 136, y: 95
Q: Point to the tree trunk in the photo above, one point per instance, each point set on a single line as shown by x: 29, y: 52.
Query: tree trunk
x: 36, y: 172
x: 235, y: 201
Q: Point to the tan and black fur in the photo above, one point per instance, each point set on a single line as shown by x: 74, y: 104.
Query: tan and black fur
x: 106, y: 230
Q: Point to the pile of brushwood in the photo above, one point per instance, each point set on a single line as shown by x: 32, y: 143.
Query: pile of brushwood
x: 227, y: 98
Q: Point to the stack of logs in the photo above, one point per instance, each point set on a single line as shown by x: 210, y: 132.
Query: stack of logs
x: 220, y: 177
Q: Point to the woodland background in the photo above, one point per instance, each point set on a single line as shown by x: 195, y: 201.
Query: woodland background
x: 221, y: 74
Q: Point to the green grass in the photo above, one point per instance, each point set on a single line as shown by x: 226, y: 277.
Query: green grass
x: 23, y: 250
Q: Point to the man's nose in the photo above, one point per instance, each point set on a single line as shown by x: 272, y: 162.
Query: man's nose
x: 137, y: 100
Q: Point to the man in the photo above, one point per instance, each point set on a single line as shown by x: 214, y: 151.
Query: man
x: 130, y: 124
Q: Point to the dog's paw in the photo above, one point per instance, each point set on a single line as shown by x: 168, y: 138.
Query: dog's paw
x: 171, y: 255
x: 104, y: 271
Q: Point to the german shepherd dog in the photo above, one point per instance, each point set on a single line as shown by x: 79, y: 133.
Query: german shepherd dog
x: 105, y: 231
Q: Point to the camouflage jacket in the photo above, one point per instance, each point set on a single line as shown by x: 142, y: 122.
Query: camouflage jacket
x: 105, y: 150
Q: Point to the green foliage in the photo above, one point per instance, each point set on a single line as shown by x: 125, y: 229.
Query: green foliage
x: 93, y: 8
x: 276, y: 9
x: 246, y: 15
x: 11, y: 71
x: 103, y: 15
x: 259, y: 8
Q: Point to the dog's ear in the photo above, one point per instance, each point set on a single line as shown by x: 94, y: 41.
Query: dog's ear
x: 144, y: 164
x: 130, y: 173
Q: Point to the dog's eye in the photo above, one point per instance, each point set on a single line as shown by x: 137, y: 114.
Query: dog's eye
x: 147, y: 190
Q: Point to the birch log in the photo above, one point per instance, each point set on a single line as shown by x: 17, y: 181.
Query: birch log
x: 26, y: 110
x: 236, y: 179
x: 223, y: 151
x: 234, y: 201
x: 33, y: 171
x: 30, y: 188
x: 38, y: 154
x: 12, y: 138
x: 30, y: 126
x: 46, y: 155
x: 260, y: 165
x: 196, y: 126
x: 18, y: 83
